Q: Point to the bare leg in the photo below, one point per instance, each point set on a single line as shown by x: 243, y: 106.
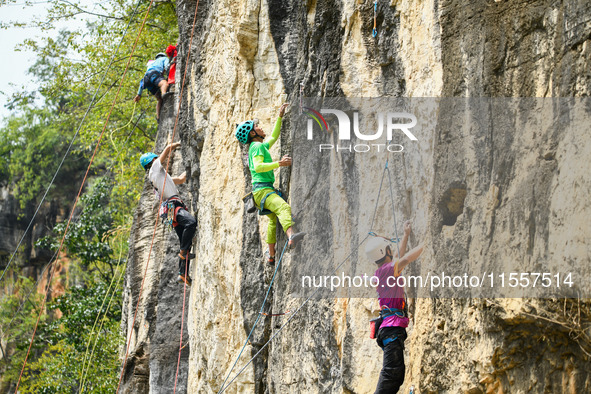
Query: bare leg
x: 272, y: 250
x: 163, y: 85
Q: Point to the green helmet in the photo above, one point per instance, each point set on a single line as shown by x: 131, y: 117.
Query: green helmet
x: 243, y: 129
x: 147, y: 158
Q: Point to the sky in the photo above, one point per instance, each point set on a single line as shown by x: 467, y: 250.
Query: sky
x: 15, y: 64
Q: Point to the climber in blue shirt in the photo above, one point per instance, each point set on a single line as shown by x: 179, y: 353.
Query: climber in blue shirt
x: 155, y: 80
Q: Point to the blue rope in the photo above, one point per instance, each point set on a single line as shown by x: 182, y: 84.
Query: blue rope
x: 292, y: 316
x: 258, y: 317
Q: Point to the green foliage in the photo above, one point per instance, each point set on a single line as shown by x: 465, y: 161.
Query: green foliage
x: 29, y: 146
x: 17, y: 319
x: 74, y: 342
x: 68, y: 70
x: 88, y: 236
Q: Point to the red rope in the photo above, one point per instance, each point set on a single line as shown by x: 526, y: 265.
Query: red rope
x: 178, y: 363
x: 188, y: 251
x: 52, y: 271
x: 159, y: 202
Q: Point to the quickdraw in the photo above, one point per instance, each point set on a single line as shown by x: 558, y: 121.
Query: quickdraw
x: 393, y: 240
x: 301, y: 95
x: 275, y: 314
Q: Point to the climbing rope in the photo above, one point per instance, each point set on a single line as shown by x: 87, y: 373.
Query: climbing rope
x: 257, y: 319
x: 374, y: 32
x: 159, y: 202
x: 90, y: 106
x: 40, y: 276
x: 224, y: 386
x: 51, y: 270
x: 83, y: 373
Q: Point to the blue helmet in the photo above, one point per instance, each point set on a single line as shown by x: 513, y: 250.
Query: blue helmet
x: 147, y: 158
x: 243, y: 129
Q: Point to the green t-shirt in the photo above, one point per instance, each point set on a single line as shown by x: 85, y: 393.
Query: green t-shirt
x: 260, y: 149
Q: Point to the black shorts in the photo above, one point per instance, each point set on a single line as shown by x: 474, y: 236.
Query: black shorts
x: 151, y: 81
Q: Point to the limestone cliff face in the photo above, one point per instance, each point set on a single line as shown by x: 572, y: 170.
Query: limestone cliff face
x: 472, y: 197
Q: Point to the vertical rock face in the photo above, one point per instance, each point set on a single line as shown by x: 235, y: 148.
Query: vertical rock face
x: 472, y: 196
x: 152, y: 308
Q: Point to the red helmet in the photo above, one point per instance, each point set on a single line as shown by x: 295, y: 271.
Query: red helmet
x: 171, y: 50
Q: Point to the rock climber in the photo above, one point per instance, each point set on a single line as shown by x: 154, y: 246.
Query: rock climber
x: 261, y: 166
x: 392, y: 331
x: 171, y: 52
x: 172, y: 207
x: 155, y: 80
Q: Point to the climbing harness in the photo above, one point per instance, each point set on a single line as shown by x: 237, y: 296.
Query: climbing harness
x: 374, y: 324
x: 374, y: 32
x: 250, y: 204
x: 262, y: 210
x: 169, y: 209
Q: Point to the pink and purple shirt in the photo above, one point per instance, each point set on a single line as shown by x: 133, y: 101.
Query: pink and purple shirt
x: 390, y: 295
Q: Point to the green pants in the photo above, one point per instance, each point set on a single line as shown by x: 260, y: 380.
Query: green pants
x: 280, y: 210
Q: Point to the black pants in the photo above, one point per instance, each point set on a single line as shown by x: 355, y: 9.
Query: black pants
x: 392, y: 374
x: 187, y: 225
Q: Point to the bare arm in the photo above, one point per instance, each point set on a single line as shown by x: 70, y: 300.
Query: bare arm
x: 180, y: 179
x: 409, y: 257
x: 164, y: 155
x: 404, y: 242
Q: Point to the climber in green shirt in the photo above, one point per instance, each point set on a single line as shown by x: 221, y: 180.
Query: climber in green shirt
x: 261, y: 167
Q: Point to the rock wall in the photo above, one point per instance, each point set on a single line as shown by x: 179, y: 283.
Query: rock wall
x: 522, y: 197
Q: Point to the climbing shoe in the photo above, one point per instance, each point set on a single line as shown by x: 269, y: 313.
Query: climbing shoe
x: 185, y: 279
x: 270, y: 259
x: 294, y: 239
